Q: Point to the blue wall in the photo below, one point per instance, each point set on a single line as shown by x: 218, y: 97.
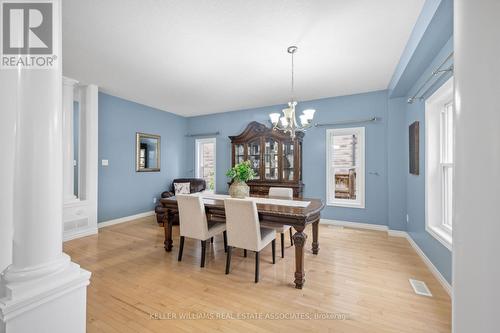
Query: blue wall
x: 429, y: 45
x: 432, y: 30
x: 415, y: 186
x: 360, y: 106
x: 397, y: 163
x: 123, y: 191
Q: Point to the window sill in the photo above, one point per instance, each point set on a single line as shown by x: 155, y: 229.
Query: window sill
x: 345, y: 205
x: 442, y: 235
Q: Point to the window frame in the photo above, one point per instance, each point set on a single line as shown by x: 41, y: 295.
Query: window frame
x: 360, y: 175
x: 436, y: 163
x: 197, y: 158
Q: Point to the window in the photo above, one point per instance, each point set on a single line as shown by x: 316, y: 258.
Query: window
x: 345, y: 167
x: 446, y: 124
x: 206, y: 161
x: 439, y: 137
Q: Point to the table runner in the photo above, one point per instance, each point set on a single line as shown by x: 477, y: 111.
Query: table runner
x: 259, y: 200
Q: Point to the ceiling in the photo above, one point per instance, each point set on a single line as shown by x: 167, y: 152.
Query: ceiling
x: 194, y: 57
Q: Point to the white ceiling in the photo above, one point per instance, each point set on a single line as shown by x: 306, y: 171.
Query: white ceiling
x: 193, y: 57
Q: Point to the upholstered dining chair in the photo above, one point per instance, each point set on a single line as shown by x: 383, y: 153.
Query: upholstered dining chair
x: 281, y: 193
x: 244, y: 231
x: 193, y: 223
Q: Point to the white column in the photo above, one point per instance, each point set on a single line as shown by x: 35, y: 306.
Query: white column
x: 42, y: 290
x: 476, y: 225
x: 68, y: 142
x: 7, y: 137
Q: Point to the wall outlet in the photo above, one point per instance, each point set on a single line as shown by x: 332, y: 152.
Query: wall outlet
x: 154, y: 200
x: 104, y: 162
x: 407, y: 218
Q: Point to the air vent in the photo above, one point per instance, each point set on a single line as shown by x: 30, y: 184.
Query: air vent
x: 69, y: 225
x: 76, y: 224
x: 420, y: 288
x: 82, y: 222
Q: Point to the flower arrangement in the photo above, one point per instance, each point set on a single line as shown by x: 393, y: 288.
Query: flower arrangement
x: 241, y: 172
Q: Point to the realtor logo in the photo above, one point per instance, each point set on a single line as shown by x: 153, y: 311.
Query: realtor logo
x: 27, y: 34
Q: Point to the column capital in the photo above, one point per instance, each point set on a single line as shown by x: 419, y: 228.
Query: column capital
x: 69, y: 82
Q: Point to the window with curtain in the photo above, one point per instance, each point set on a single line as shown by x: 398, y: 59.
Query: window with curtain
x: 439, y: 164
x: 345, y: 167
x: 206, y: 161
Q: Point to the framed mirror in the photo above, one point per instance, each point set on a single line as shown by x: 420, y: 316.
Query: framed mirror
x: 147, y: 152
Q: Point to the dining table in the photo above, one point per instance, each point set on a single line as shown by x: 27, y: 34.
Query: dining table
x: 296, y: 212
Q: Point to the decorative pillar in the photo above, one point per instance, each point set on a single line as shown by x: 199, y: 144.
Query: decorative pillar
x: 476, y: 225
x: 42, y: 290
x: 68, y: 142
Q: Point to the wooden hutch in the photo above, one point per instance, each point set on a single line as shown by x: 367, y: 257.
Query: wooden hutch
x: 275, y: 158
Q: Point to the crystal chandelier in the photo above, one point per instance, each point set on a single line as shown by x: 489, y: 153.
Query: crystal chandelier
x: 288, y: 123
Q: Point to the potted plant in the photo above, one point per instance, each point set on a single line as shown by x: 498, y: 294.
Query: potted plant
x: 240, y: 174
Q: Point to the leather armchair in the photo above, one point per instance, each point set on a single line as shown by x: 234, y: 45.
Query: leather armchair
x: 195, y: 184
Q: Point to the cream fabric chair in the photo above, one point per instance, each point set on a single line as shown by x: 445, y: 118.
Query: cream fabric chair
x: 281, y: 193
x: 193, y: 223
x: 244, y: 231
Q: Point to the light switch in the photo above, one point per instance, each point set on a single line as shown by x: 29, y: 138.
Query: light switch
x: 104, y: 162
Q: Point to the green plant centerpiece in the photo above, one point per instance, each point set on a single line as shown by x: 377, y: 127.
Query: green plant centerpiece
x: 240, y: 174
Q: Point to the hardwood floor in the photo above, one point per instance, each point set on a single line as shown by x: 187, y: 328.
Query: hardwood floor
x: 138, y: 287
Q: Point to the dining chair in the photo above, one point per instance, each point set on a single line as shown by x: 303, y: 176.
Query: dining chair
x: 281, y: 193
x: 193, y: 224
x: 244, y: 231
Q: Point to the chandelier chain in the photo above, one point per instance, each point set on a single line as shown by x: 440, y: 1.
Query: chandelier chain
x: 293, y: 92
x: 288, y: 122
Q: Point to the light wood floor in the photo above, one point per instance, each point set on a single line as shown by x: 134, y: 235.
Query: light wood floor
x: 136, y: 286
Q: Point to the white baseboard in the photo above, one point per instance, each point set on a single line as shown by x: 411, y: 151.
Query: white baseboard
x: 396, y: 233
x: 348, y: 224
x: 430, y: 265
x: 124, y: 219
x: 81, y: 233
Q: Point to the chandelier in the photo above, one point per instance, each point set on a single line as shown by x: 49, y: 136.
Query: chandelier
x: 288, y: 123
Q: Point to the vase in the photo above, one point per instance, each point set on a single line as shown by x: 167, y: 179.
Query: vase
x: 239, y: 189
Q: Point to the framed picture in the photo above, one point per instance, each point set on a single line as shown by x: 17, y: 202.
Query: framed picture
x: 414, y: 148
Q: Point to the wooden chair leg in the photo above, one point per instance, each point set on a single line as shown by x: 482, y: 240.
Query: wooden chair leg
x: 181, y: 247
x: 203, y: 251
x: 225, y: 240
x: 273, y: 245
x: 244, y: 253
x: 282, y: 245
x: 228, y: 259
x: 291, y: 236
x: 257, y: 267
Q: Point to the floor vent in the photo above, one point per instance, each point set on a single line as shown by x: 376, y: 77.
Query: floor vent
x: 76, y: 224
x: 420, y: 288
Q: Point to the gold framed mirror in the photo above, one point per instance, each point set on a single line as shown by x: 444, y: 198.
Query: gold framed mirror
x: 147, y: 152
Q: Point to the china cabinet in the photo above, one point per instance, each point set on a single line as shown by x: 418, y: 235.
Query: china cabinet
x: 275, y: 157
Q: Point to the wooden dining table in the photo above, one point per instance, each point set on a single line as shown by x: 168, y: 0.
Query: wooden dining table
x: 297, y: 217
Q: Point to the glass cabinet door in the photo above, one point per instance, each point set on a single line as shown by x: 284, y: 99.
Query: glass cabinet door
x: 271, y: 159
x: 288, y: 162
x: 253, y: 154
x: 239, y: 153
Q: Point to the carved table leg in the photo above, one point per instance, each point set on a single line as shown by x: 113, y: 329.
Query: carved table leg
x: 168, y: 230
x: 315, y: 243
x: 299, y: 240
